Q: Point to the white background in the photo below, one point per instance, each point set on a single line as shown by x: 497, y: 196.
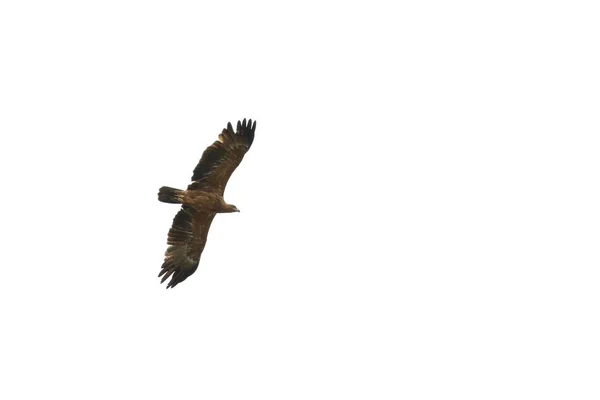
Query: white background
x: 419, y: 208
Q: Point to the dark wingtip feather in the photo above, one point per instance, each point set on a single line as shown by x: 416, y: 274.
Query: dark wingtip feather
x: 246, y: 129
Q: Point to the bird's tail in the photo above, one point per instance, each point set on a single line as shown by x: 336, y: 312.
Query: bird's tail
x: 170, y: 195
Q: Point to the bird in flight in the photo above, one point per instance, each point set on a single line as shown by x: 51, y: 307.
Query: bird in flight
x: 202, y: 200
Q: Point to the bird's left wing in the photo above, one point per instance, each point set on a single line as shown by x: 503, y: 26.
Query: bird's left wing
x: 187, y: 238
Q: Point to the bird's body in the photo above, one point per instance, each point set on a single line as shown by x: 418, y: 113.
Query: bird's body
x: 202, y: 200
x: 208, y: 201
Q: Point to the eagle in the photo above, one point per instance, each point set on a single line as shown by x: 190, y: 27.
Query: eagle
x: 202, y: 200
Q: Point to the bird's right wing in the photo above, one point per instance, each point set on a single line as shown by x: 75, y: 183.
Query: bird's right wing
x: 220, y: 159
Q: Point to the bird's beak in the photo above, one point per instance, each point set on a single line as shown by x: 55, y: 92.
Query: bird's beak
x: 236, y: 210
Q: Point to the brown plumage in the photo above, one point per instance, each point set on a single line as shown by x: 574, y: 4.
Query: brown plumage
x: 202, y: 200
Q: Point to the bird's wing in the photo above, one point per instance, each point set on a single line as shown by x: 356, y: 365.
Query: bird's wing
x: 220, y: 159
x: 187, y: 238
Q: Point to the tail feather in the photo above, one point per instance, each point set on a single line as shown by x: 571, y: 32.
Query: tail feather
x: 170, y: 195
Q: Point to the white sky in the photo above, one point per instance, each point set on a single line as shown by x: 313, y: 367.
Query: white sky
x: 420, y: 208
